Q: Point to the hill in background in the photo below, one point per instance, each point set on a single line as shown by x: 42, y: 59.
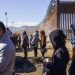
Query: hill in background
x: 29, y: 29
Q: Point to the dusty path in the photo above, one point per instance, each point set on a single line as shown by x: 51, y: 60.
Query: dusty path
x: 39, y: 66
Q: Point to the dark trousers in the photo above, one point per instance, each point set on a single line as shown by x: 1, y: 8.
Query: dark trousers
x: 35, y: 51
x: 25, y: 53
x: 43, y: 50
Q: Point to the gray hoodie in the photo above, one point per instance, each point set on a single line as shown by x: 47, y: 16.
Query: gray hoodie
x: 7, y: 55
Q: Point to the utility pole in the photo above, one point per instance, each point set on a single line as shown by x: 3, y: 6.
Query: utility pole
x: 12, y: 23
x: 6, y: 19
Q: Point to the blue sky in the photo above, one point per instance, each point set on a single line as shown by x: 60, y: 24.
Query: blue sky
x: 21, y: 12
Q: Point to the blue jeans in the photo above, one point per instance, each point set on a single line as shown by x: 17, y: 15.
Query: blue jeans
x: 43, y: 50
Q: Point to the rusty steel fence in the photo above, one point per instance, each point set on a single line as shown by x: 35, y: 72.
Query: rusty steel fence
x: 66, y: 19
x: 65, y: 16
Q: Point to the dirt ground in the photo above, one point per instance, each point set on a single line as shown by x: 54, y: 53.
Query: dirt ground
x: 48, y: 54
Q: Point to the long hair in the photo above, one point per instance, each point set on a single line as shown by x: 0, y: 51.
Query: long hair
x: 2, y: 26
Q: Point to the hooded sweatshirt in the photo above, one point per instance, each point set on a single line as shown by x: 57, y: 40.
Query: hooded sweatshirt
x: 7, y: 55
x: 60, y: 56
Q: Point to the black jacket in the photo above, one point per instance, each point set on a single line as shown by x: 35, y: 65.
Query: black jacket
x: 60, y: 56
x: 25, y: 42
x: 72, y: 67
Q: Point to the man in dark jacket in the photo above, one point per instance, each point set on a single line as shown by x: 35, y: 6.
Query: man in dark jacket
x: 60, y: 56
x: 25, y: 44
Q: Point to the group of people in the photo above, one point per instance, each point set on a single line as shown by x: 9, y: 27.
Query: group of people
x: 60, y: 57
x: 34, y: 40
x: 16, y: 39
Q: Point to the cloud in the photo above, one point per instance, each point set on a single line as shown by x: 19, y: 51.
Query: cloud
x: 19, y: 24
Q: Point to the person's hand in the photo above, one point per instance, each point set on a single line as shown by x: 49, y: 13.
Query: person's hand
x: 45, y: 62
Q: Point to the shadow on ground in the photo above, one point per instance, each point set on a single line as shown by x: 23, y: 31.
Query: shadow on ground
x: 18, y: 50
x: 23, y: 65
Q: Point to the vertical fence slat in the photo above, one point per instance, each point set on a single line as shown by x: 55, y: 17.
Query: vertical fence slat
x: 66, y: 19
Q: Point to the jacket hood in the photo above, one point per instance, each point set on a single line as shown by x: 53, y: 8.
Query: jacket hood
x: 57, y: 38
x: 4, y: 37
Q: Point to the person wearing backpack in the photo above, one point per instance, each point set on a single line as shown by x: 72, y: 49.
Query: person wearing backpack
x: 35, y: 41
